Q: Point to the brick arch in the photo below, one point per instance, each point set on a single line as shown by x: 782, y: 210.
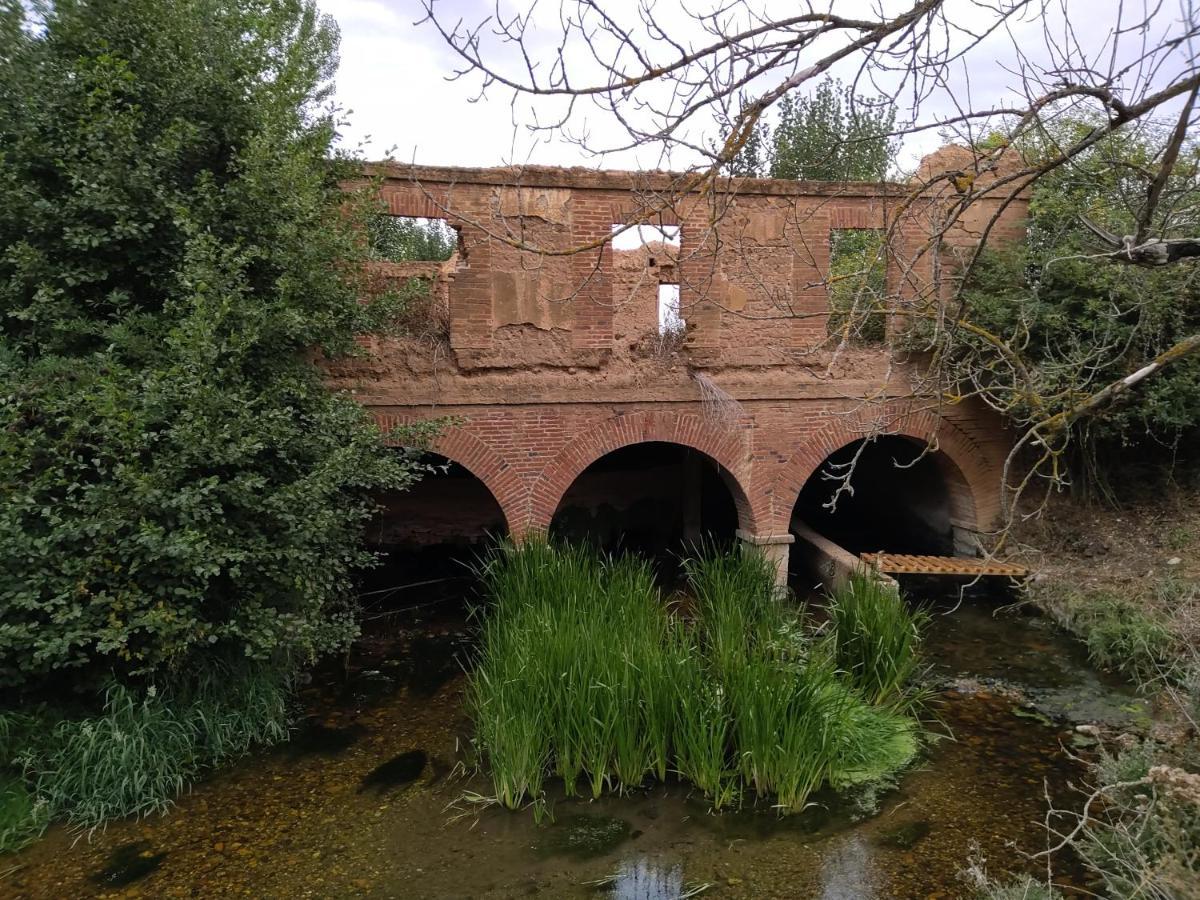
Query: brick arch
x: 723, y: 447
x: 970, y: 474
x: 493, y: 472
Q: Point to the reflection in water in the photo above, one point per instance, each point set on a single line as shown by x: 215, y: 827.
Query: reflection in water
x: 645, y: 879
x: 846, y: 871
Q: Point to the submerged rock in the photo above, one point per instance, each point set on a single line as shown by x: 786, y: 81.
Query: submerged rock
x: 585, y: 836
x: 905, y: 836
x: 128, y: 863
x: 431, y: 663
x: 396, y: 772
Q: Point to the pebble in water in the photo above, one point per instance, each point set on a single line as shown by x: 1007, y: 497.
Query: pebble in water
x: 586, y: 836
x: 906, y: 836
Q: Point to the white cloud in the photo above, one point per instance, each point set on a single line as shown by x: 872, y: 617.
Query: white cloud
x: 393, y: 77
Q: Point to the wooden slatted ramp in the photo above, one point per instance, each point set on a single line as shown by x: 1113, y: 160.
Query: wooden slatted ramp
x: 905, y: 564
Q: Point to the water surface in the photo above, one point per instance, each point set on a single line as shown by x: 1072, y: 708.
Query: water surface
x: 367, y: 801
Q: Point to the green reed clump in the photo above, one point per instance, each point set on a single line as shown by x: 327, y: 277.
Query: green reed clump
x: 797, y: 721
x: 585, y: 674
x: 139, y: 751
x: 877, y: 638
x: 573, y: 674
x: 701, y: 740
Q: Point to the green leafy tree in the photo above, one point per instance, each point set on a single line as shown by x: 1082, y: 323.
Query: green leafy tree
x: 832, y: 135
x: 753, y: 160
x: 400, y: 239
x: 1078, y: 322
x: 176, y: 250
x: 857, y: 285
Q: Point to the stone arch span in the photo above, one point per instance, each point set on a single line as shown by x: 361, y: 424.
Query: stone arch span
x: 494, y: 473
x: 969, y: 472
x: 725, y: 448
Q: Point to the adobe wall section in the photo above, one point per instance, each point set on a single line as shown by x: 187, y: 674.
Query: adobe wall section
x: 548, y: 359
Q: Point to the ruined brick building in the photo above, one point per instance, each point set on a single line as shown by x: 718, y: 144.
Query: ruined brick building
x: 678, y: 379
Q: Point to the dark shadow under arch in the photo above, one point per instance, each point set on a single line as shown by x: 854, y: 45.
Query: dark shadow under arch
x: 433, y: 532
x: 654, y: 498
x: 900, y: 500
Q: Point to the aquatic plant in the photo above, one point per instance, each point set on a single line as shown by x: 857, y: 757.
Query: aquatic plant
x: 703, y: 722
x: 585, y: 673
x: 572, y: 671
x: 876, y: 637
x: 736, y: 601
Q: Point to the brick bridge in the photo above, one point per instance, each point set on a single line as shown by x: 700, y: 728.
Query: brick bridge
x: 556, y: 369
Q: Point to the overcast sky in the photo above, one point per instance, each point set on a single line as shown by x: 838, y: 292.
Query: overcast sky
x: 393, y: 81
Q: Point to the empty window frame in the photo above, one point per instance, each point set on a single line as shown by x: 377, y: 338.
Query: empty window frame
x: 858, y: 284
x: 670, y: 320
x: 411, y: 239
x: 635, y: 237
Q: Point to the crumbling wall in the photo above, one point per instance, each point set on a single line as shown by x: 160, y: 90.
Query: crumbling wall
x: 546, y: 363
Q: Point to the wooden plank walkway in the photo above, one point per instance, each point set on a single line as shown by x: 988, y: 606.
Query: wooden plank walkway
x: 904, y: 564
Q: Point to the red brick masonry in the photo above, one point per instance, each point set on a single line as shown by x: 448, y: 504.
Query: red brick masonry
x: 548, y: 361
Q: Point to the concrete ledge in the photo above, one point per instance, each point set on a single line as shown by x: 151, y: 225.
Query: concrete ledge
x: 835, y: 563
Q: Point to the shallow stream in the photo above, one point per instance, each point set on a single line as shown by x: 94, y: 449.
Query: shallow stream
x: 366, y: 801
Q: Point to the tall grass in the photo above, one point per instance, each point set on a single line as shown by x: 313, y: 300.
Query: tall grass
x: 572, y: 673
x: 23, y: 817
x: 585, y: 674
x: 137, y: 753
x: 876, y: 636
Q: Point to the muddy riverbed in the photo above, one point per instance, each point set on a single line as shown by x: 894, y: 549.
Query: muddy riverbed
x: 369, y: 799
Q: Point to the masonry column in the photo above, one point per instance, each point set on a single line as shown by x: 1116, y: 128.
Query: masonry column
x: 592, y: 220
x: 775, y: 547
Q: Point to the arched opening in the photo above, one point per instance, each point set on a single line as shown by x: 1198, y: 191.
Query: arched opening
x: 899, y: 498
x: 655, y: 498
x: 430, y: 535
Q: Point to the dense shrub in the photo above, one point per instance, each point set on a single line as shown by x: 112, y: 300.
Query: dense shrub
x: 183, y: 497
x: 175, y: 247
x: 1072, y: 318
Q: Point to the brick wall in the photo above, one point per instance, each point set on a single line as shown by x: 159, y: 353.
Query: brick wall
x: 543, y: 373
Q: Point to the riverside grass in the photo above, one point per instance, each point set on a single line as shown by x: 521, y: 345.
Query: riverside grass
x: 138, y: 753
x: 586, y: 674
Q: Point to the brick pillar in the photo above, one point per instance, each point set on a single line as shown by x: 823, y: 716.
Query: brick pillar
x: 470, y: 296
x: 810, y: 268
x: 699, y: 277
x: 591, y: 273
x: 775, y: 547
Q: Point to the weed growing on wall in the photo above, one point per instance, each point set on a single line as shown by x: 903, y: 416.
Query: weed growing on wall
x: 586, y: 674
